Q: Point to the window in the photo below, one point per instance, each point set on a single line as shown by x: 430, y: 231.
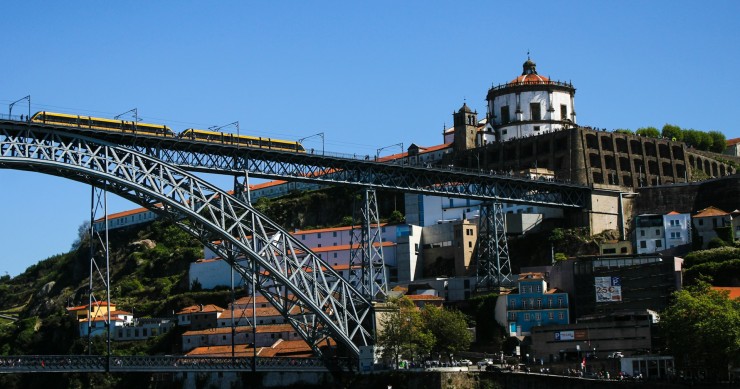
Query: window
x: 657, y: 232
x: 537, y: 316
x: 714, y: 223
x: 526, y: 317
x: 534, y: 108
x: 470, y: 244
x: 561, y: 315
x: 335, y: 255
x: 512, y: 316
x: 512, y: 303
x: 539, y: 303
x: 524, y: 304
x: 643, y: 244
x: 563, y: 112
x: 701, y: 222
x: 504, y: 114
x: 334, y: 234
x: 658, y: 243
x: 503, y: 132
x: 318, y: 235
x: 675, y: 223
x: 536, y: 128
x: 560, y: 302
x: 675, y: 235
x: 642, y: 232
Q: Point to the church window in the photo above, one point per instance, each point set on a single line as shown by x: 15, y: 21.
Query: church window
x: 536, y: 128
x: 563, y: 112
x: 504, y: 114
x: 535, y: 110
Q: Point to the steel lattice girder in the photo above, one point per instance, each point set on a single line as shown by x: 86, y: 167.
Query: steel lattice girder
x: 274, y: 164
x: 314, y: 299
x: 367, y: 270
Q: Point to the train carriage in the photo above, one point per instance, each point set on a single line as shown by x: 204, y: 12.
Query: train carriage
x: 95, y: 123
x: 242, y: 140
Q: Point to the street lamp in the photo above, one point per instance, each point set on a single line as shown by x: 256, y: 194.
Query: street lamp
x: 377, y: 152
x: 321, y: 134
x: 10, y: 106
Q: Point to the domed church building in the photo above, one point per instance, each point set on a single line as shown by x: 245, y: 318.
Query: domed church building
x: 529, y: 105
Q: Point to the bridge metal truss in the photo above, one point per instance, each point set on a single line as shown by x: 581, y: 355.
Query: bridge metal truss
x: 327, y: 169
x: 367, y: 270
x: 493, y: 264
x: 313, y: 298
x: 100, y: 364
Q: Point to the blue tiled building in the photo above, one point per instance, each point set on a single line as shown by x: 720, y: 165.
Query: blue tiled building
x: 532, y: 305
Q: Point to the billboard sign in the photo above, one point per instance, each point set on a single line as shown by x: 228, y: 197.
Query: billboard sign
x: 608, y: 289
x: 564, y: 335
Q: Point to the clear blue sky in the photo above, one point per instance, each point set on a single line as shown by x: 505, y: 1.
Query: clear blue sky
x: 366, y: 74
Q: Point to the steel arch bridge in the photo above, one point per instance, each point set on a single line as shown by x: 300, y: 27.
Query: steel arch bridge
x: 331, y: 169
x: 313, y: 298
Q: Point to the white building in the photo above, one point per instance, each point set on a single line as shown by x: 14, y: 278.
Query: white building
x: 400, y: 244
x: 654, y: 233
x: 530, y: 105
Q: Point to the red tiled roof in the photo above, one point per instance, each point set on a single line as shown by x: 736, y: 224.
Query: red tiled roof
x: 198, y: 308
x: 261, y: 329
x: 710, y: 211
x: 733, y: 141
x: 530, y: 79
x: 240, y: 350
x: 733, y: 290
x: 531, y: 276
x: 419, y: 297
x: 86, y: 306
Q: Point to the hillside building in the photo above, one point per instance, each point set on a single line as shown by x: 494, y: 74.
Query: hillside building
x: 530, y: 305
x: 655, y: 233
x: 708, y: 220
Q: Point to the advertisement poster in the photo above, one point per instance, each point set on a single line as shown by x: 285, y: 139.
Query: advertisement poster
x: 608, y: 289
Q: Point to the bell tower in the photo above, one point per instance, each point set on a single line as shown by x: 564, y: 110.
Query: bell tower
x: 466, y: 128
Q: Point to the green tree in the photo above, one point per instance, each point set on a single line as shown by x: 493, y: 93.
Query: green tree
x: 705, y: 141
x: 449, y: 328
x: 702, y: 329
x: 672, y: 132
x: 650, y: 132
x: 692, y: 137
x: 402, y: 334
x: 487, y: 330
x: 719, y: 142
x: 396, y: 217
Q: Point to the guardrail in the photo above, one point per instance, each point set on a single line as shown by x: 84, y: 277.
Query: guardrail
x: 168, y: 363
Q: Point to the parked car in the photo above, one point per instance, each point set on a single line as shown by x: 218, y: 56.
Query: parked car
x: 465, y: 362
x: 485, y: 362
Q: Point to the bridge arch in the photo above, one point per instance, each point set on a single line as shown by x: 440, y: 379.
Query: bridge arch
x: 312, y: 297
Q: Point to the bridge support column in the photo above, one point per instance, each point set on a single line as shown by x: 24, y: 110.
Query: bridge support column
x: 367, y: 267
x: 493, y: 265
x: 99, y: 254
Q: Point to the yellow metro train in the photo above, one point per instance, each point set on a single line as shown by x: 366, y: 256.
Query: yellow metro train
x: 242, y: 140
x: 63, y: 119
x: 95, y: 123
